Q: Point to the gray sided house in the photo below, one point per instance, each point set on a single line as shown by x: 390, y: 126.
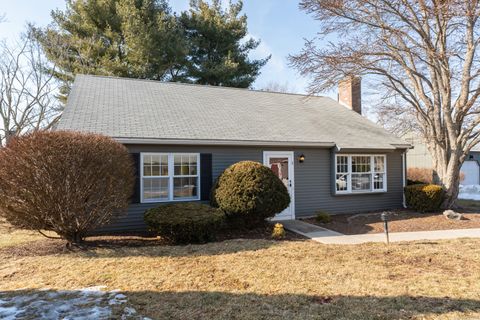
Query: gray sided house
x: 183, y: 136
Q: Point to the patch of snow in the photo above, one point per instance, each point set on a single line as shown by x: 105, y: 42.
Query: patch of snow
x: 86, y: 303
x: 128, y: 312
x: 94, y: 289
x: 469, y: 192
x: 7, y: 313
x: 116, y: 299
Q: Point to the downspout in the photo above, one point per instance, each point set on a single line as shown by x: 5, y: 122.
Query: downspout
x: 403, y: 178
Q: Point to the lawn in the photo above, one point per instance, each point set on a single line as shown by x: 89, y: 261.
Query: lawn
x: 248, y: 279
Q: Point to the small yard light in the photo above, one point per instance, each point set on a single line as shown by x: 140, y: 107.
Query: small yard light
x: 301, y: 158
x: 385, y: 226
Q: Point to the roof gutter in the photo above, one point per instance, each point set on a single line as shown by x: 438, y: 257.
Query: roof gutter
x: 403, y: 146
x: 222, y: 142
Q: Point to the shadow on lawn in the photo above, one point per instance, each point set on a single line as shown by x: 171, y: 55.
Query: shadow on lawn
x: 224, y: 305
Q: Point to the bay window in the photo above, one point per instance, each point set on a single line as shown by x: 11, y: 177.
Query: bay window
x: 360, y: 173
x: 169, y: 177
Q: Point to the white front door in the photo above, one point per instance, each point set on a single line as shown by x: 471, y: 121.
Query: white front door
x: 281, y: 163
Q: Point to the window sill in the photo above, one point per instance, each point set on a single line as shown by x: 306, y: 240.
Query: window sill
x: 174, y: 200
x: 359, y: 193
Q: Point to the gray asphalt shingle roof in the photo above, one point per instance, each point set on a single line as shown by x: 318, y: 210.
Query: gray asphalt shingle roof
x: 139, y: 109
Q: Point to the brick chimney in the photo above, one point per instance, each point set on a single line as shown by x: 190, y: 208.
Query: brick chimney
x: 350, y: 93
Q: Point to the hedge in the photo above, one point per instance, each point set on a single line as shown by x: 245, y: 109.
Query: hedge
x: 186, y: 222
x: 424, y: 197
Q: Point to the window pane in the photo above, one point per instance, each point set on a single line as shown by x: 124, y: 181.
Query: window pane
x: 155, y: 188
x: 361, y: 164
x: 147, y: 171
x: 147, y: 160
x: 155, y: 170
x: 342, y: 182
x: 178, y: 164
x: 185, y: 165
x: 164, y: 165
x: 378, y: 179
x: 361, y: 182
x: 379, y: 164
x: 164, y: 170
x: 177, y: 159
x: 185, y: 187
x: 155, y: 165
x: 193, y: 165
x: 342, y: 164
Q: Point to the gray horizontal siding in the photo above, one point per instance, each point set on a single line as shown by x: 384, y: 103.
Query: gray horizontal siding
x: 313, y: 186
x: 129, y: 222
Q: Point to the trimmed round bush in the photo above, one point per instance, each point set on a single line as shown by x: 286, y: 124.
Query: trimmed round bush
x: 251, y: 192
x: 424, y: 197
x: 186, y: 222
x: 64, y: 181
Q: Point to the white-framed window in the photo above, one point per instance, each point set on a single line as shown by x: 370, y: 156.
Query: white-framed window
x: 170, y: 177
x: 360, y: 173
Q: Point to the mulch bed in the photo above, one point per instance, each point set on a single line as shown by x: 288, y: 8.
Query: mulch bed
x: 399, y: 221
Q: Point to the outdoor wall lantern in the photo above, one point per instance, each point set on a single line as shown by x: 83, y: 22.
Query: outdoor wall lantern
x: 301, y: 158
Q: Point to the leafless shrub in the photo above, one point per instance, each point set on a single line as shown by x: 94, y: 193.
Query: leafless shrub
x: 66, y: 182
x: 424, y: 175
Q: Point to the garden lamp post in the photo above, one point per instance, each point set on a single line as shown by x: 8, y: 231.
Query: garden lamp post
x: 385, y: 226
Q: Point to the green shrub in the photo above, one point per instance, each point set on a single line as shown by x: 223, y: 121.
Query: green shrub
x: 186, y: 222
x: 323, y: 217
x: 424, y: 197
x: 249, y: 192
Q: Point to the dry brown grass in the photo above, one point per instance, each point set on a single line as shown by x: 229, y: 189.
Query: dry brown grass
x: 12, y: 237
x: 262, y: 279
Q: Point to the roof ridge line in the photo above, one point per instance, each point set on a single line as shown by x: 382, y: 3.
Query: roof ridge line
x: 201, y: 85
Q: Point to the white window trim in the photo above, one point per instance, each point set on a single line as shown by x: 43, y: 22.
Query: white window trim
x: 171, y: 175
x: 372, y: 174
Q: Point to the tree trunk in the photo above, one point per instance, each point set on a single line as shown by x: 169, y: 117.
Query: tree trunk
x: 446, y: 172
x: 74, y: 238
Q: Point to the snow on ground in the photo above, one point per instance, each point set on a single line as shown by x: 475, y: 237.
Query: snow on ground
x: 86, y: 303
x: 470, y: 192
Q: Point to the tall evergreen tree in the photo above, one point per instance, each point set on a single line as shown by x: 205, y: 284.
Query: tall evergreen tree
x: 144, y: 39
x: 128, y: 38
x: 218, y: 52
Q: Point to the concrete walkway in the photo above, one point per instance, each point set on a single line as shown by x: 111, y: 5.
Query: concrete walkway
x: 327, y: 236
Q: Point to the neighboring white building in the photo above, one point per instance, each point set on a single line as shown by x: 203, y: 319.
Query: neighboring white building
x: 419, y: 157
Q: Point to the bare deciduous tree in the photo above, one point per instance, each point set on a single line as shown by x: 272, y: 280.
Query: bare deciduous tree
x: 27, y: 91
x: 424, y: 55
x: 273, y: 86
